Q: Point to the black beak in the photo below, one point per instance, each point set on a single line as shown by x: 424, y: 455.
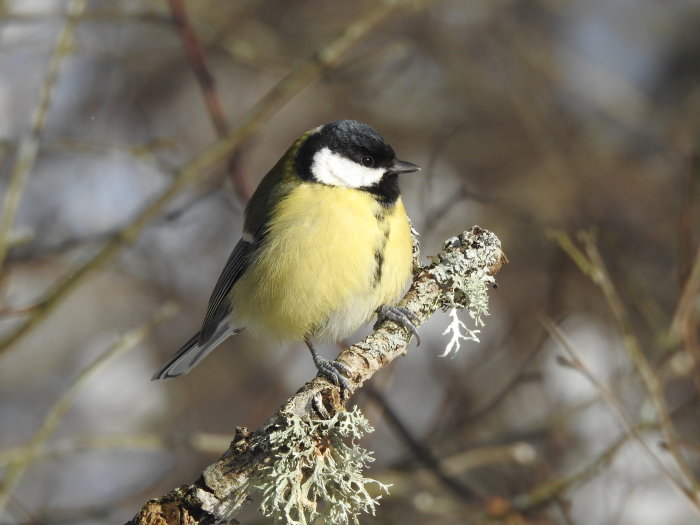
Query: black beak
x: 401, y: 166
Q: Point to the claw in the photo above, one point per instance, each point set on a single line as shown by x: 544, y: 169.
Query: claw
x: 401, y: 316
x: 331, y: 370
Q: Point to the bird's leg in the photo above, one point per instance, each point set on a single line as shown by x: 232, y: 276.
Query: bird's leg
x: 401, y: 316
x: 332, y: 370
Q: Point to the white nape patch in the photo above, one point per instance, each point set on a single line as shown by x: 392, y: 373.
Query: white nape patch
x: 248, y: 237
x: 336, y: 170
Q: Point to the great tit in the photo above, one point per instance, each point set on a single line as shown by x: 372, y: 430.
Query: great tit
x: 326, y: 244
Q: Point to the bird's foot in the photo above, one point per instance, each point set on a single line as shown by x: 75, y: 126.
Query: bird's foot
x: 401, y: 316
x: 333, y: 371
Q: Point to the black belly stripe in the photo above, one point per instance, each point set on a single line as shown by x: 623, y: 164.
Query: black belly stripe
x: 379, y: 258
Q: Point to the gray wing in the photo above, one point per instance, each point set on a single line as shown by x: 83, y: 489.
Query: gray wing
x: 219, y: 307
x: 216, y: 325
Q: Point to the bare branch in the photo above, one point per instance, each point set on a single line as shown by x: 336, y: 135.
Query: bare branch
x: 207, y: 83
x: 591, y: 263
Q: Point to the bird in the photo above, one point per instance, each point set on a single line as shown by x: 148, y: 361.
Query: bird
x: 326, y: 245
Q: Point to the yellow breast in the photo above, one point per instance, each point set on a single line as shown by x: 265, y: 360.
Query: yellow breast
x: 331, y: 257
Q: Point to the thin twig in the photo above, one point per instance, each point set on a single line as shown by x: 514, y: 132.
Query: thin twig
x: 196, y: 169
x: 546, y: 492
x: 687, y: 311
x: 617, y: 408
x: 28, y: 148
x: 685, y: 321
x: 203, y: 442
x: 591, y: 263
x: 16, y: 311
x: 405, y: 480
x: 128, y: 341
x: 691, y: 185
x: 207, y: 84
x: 142, y: 153
x: 507, y: 387
x: 554, y: 489
x: 645, y: 370
x: 422, y: 453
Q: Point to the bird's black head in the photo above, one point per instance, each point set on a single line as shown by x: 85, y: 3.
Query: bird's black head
x: 351, y: 154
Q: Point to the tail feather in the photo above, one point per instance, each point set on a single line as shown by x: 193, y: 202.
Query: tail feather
x: 191, y: 353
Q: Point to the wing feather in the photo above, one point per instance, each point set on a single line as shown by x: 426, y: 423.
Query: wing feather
x: 219, y: 308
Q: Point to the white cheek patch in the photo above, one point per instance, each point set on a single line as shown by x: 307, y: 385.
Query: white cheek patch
x: 336, y: 170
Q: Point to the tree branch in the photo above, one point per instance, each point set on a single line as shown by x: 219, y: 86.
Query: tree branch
x: 207, y: 83
x: 216, y: 496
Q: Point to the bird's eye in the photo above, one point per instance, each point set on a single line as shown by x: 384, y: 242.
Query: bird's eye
x: 367, y: 161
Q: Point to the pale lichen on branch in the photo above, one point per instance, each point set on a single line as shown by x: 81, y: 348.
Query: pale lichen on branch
x: 466, y: 283
x: 315, y: 471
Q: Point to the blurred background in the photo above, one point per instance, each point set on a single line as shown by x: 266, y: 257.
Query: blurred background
x: 534, y: 119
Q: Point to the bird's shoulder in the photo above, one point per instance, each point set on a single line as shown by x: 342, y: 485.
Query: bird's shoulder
x: 274, y: 187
